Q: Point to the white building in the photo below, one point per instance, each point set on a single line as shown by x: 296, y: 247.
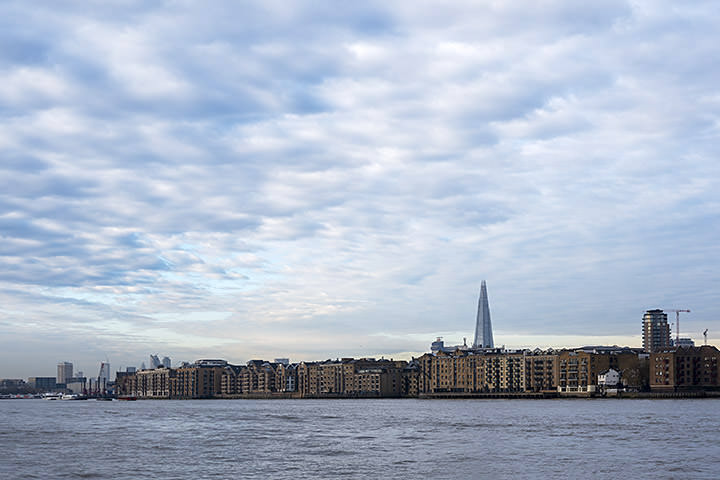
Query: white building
x: 609, y: 378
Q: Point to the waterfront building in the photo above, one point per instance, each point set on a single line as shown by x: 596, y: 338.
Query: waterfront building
x: 43, y: 384
x: 230, y: 383
x: 410, y: 376
x: 504, y: 371
x: 578, y: 369
x: 364, y: 377
x: 577, y: 372
x: 191, y: 381
x: 64, y: 372
x: 483, y: 325
x: 153, y: 383
x: 123, y: 382
x: 11, y: 383
x: 285, y: 377
x: 485, y: 371
x: 438, y: 371
x: 308, y: 379
x: 572, y: 372
x: 379, y: 381
x: 462, y: 372
x: 196, y: 381
x: 541, y: 370
x: 685, y: 368
x: 334, y: 375
x: 248, y: 378
x: 656, y: 331
x: 258, y: 377
x: 608, y: 378
x: 475, y: 371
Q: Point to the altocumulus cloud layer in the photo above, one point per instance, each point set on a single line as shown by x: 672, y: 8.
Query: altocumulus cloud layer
x: 259, y: 179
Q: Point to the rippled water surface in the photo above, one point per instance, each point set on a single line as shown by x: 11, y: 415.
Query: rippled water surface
x: 360, y: 439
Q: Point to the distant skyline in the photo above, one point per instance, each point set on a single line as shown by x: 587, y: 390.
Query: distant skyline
x: 305, y: 180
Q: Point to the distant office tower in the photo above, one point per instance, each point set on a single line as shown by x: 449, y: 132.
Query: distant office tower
x: 155, y: 362
x: 64, y: 372
x: 656, y: 331
x: 483, y: 327
x: 166, y: 362
x: 683, y: 342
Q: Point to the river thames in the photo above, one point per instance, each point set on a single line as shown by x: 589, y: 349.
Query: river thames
x: 327, y: 439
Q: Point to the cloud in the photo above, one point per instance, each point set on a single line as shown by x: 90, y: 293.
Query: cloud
x: 337, y: 180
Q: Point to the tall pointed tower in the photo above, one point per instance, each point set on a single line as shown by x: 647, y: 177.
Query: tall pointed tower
x: 483, y: 327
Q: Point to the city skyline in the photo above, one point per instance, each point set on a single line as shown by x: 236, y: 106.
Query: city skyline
x: 481, y: 327
x: 246, y: 181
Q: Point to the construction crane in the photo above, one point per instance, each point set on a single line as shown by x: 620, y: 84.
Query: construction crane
x: 677, y: 323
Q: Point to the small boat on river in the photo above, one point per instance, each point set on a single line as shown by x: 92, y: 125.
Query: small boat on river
x: 73, y: 396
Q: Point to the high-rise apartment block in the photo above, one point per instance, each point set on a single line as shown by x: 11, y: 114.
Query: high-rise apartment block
x: 64, y: 372
x: 656, y: 331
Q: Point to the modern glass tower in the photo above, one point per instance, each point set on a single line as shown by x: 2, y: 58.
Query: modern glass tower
x: 483, y: 327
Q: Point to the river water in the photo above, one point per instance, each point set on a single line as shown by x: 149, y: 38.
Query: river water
x: 329, y: 439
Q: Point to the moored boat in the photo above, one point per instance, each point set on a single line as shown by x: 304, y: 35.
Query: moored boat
x: 73, y: 396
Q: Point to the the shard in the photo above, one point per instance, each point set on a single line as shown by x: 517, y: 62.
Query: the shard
x: 483, y: 327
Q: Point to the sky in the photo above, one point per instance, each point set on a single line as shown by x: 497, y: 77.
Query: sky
x: 246, y: 180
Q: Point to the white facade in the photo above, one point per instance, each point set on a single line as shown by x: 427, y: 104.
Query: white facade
x: 609, y: 378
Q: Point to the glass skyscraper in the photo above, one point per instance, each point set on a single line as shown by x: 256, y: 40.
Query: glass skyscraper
x: 483, y: 326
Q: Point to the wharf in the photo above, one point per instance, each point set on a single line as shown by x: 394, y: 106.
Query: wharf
x: 505, y: 395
